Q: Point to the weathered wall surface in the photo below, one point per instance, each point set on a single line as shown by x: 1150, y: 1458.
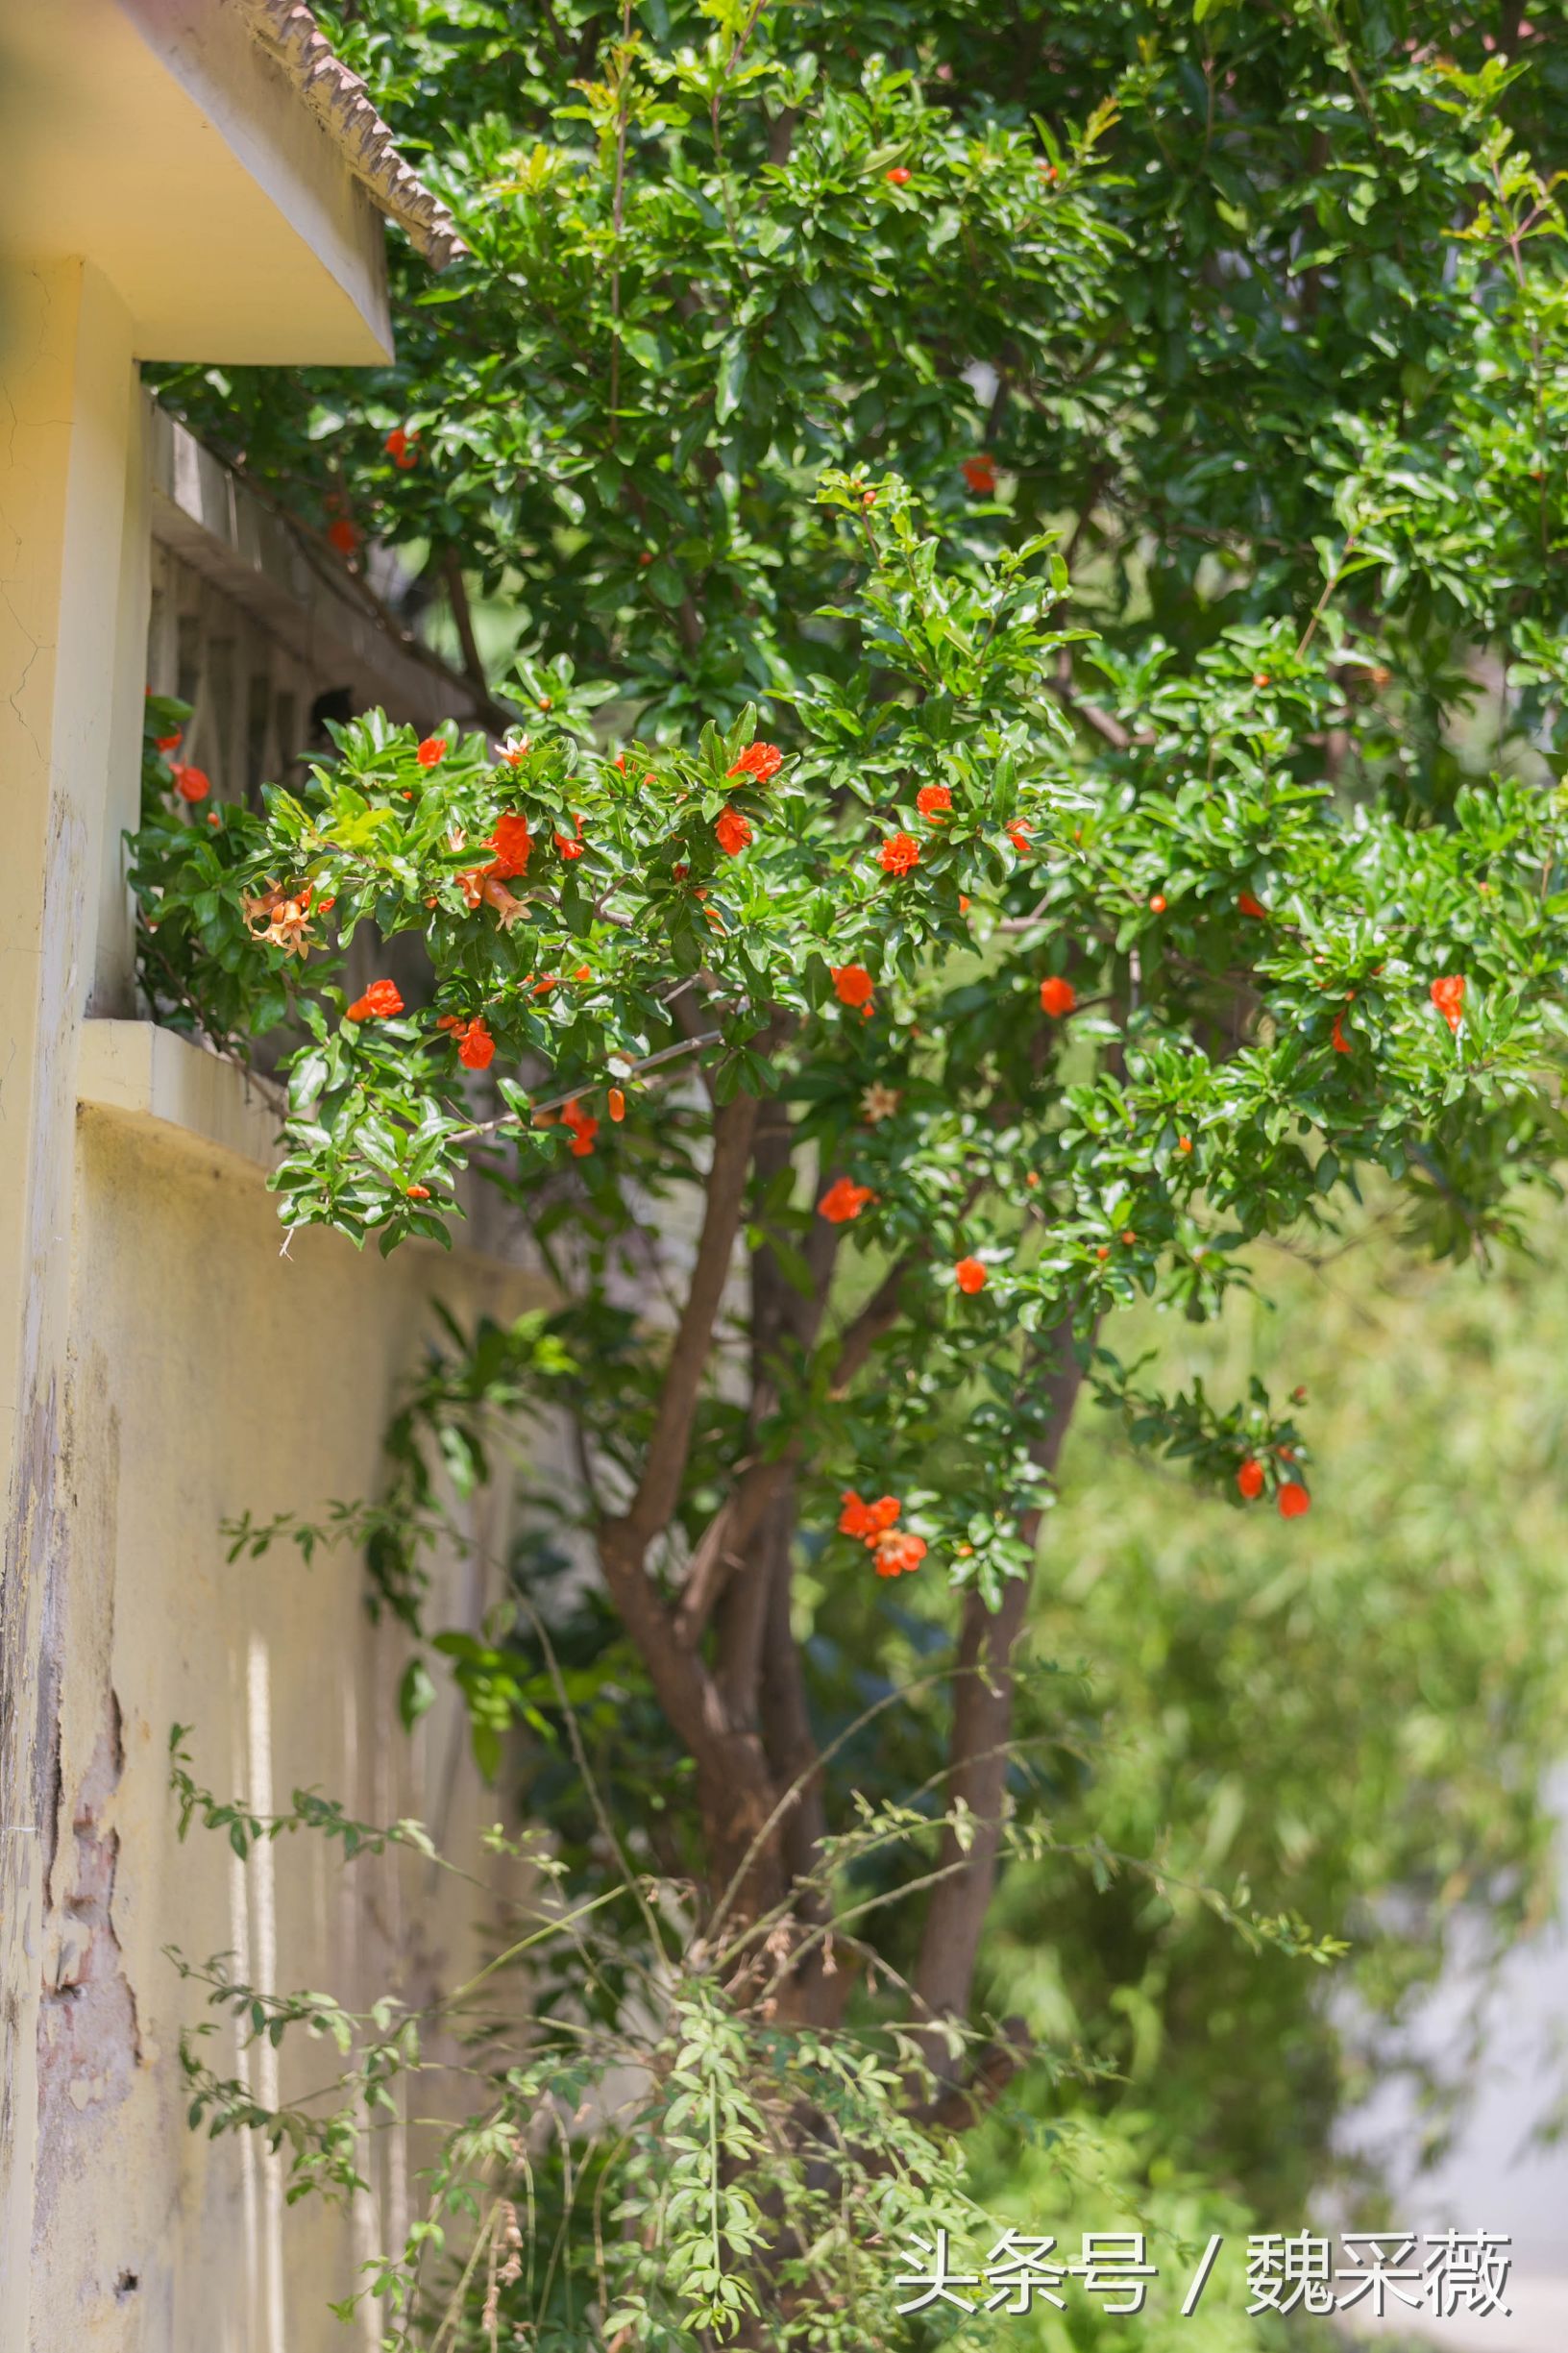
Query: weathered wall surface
x: 208, y: 1375
x: 163, y: 1367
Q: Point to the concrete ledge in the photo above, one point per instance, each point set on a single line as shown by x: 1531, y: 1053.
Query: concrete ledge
x: 143, y: 1072
x: 194, y: 1101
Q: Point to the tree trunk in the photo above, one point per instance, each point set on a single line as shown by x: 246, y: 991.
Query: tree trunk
x: 977, y: 1748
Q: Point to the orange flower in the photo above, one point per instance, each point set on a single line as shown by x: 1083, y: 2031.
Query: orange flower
x: 867, y: 1521
x: 1057, y: 996
x: 476, y: 1049
x: 980, y: 473
x: 616, y: 1104
x: 486, y: 885
x: 1341, y: 1044
x: 1448, y: 995
x: 382, y: 1000
x: 417, y: 1193
x: 1251, y: 906
x: 933, y: 800
x: 1249, y: 1480
x: 491, y: 891
x: 731, y: 831
x: 402, y: 447
x: 1017, y: 833
x: 585, y: 1128
x: 1183, y: 1144
x: 433, y: 752
x: 853, y: 983
x: 571, y: 846
x: 896, y: 1556
x: 169, y: 743
x: 844, y: 1201
x: 281, y: 918
x: 343, y: 536
x: 1294, y: 1500
x: 511, y: 842
x: 1157, y: 904
x: 899, y: 852
x: 191, y: 783
x: 759, y: 760
x: 899, y: 175
x: 969, y: 1275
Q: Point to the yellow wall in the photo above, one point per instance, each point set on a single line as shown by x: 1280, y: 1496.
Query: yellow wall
x: 209, y: 1376
x: 68, y: 386
x: 161, y: 1366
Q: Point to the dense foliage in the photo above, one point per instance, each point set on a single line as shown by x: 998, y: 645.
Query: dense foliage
x: 1022, y: 568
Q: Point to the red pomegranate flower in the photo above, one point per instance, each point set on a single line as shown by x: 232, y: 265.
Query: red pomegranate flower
x: 980, y: 473
x: 1251, y: 906
x: 899, y: 175
x: 933, y: 800
x: 1341, y: 1044
x: 191, y: 783
x: 585, y: 1128
x: 569, y: 846
x: 343, y: 536
x: 1448, y: 995
x: 869, y: 1522
x: 732, y: 832
x: 382, y: 1000
x: 169, y: 743
x: 853, y: 983
x: 511, y: 842
x: 616, y: 1104
x: 969, y: 1275
x: 1057, y: 996
x: 1294, y: 1500
x: 842, y: 1201
x: 896, y: 1556
x: 1017, y: 833
x: 476, y: 1049
x: 1249, y: 1480
x: 899, y: 852
x: 761, y: 761
x: 433, y: 752
x: 1157, y: 903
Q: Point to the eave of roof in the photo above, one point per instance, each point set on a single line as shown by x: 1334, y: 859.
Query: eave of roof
x: 288, y: 31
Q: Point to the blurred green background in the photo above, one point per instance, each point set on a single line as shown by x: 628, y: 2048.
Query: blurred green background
x: 1354, y: 1714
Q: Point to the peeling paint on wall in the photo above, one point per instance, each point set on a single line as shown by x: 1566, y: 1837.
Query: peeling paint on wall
x: 90, y: 2039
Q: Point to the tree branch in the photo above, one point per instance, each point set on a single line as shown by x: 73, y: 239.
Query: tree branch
x: 978, y: 1744
x: 1091, y: 715
x: 451, y: 569
x: 659, y: 1490
x: 735, y: 1521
